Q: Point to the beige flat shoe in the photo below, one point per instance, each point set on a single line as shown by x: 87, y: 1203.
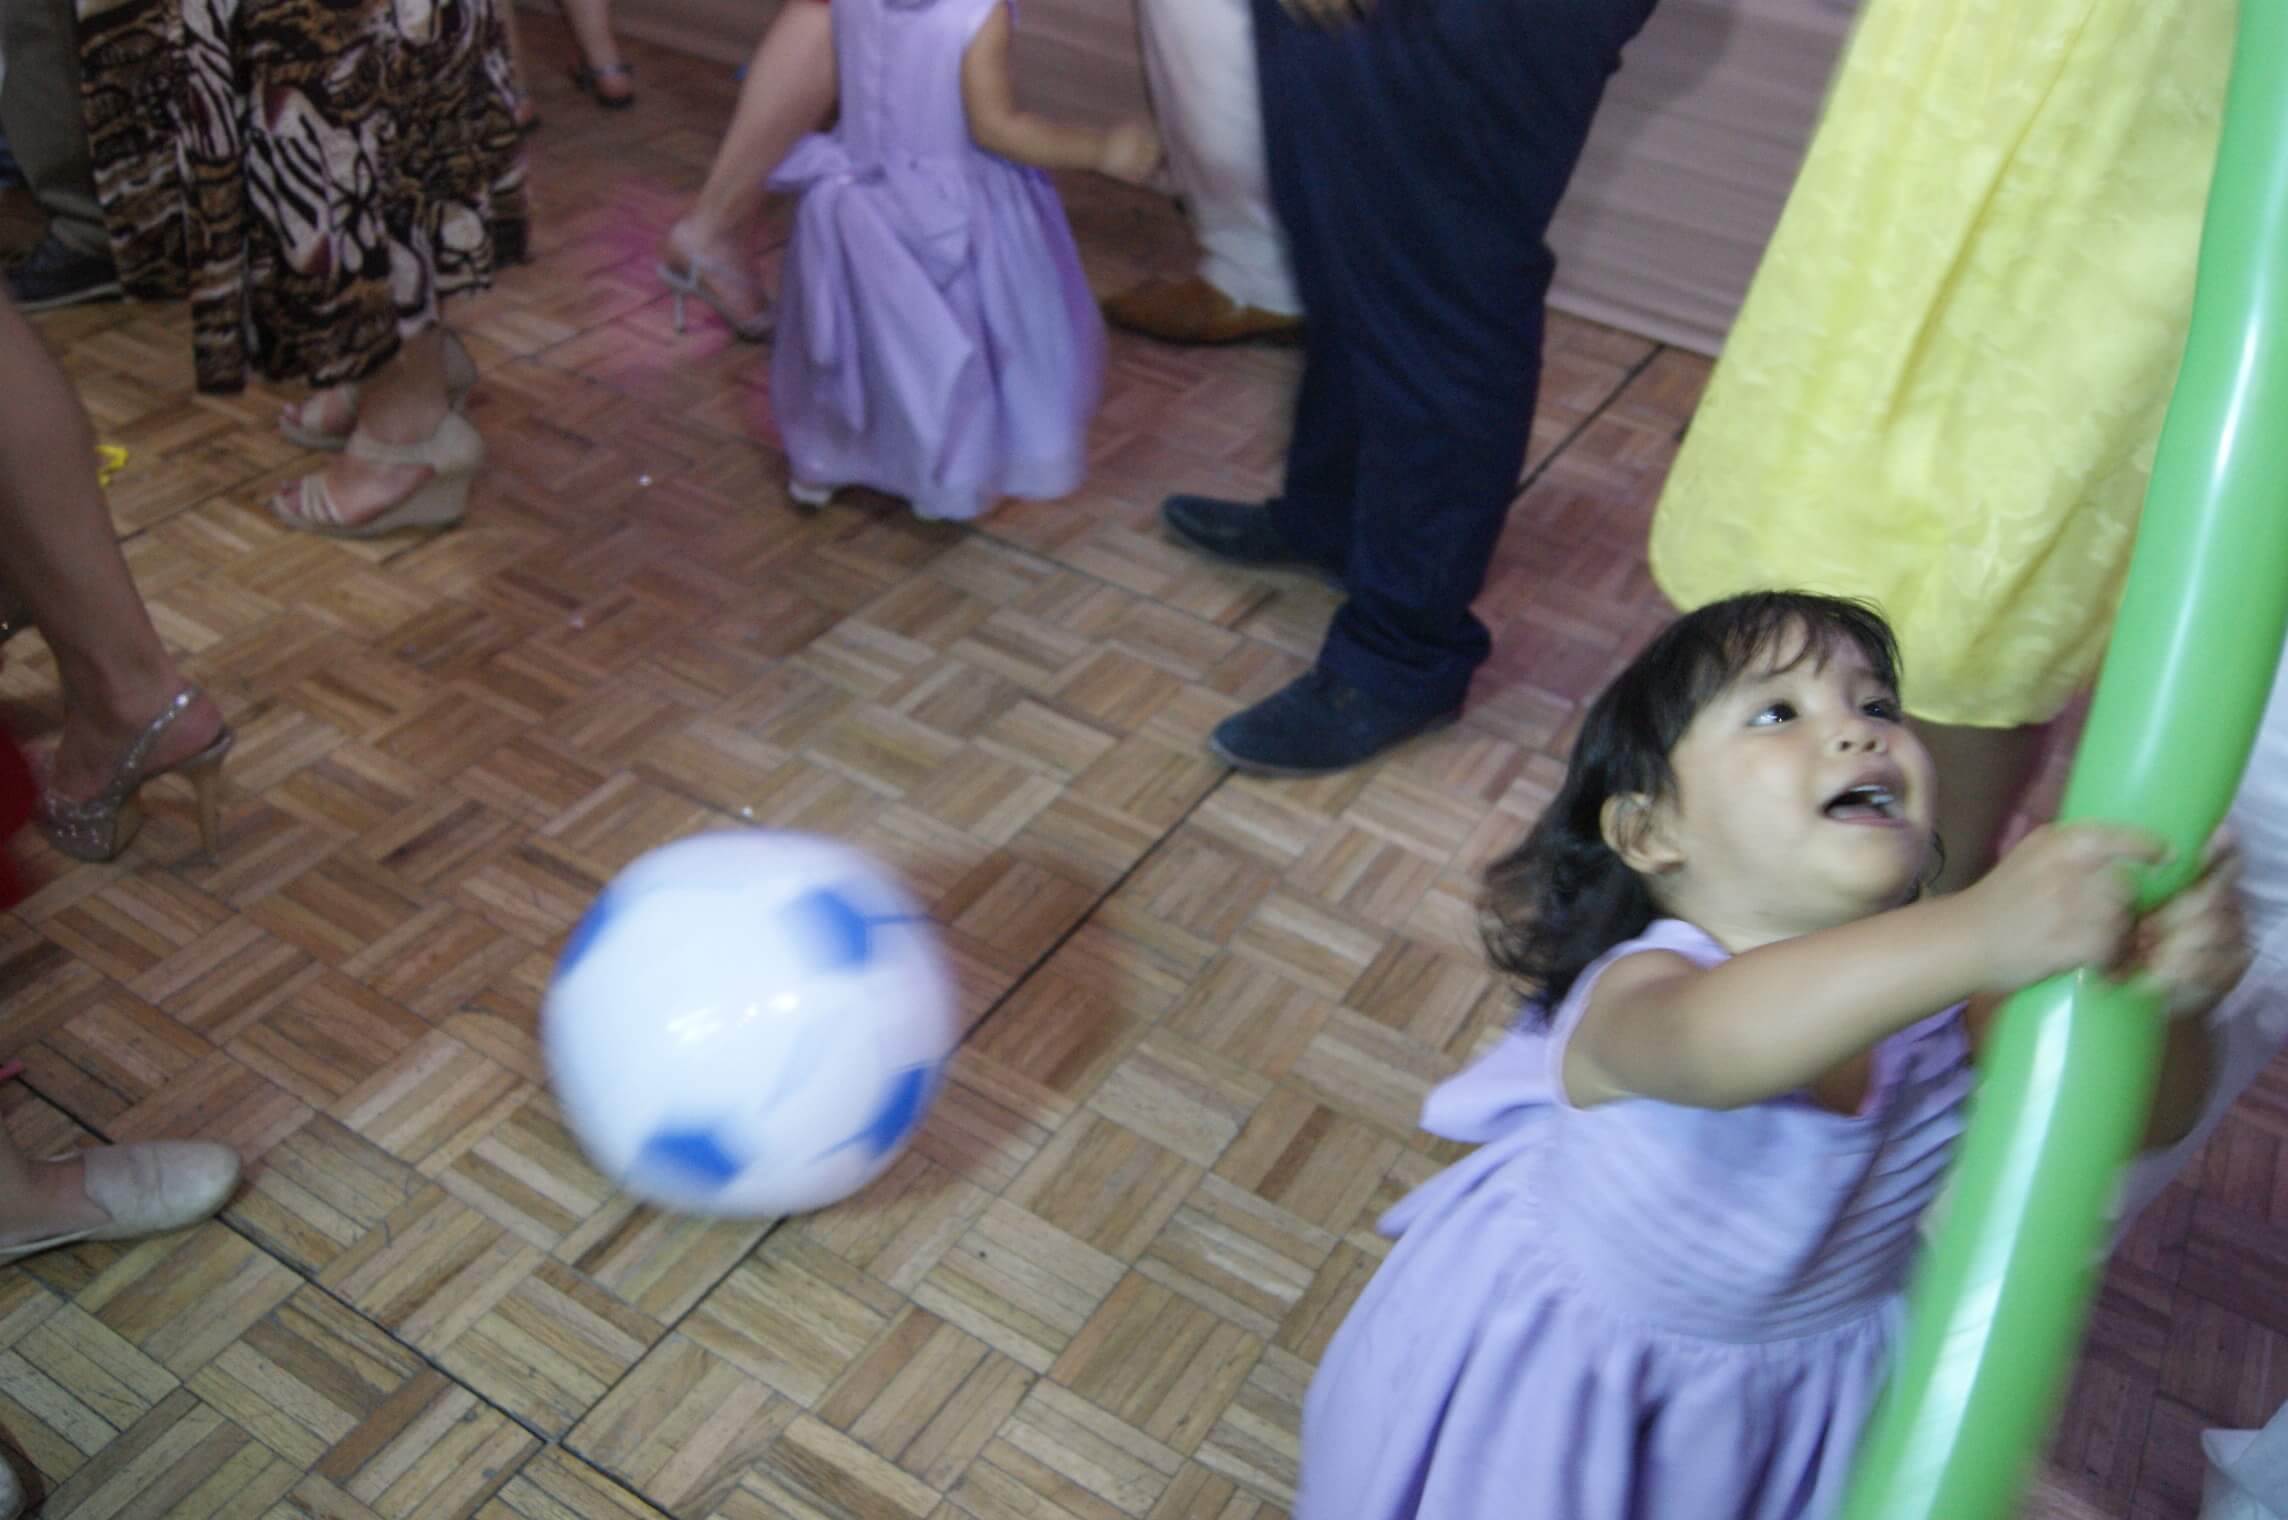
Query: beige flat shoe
x: 147, y: 1188
x: 451, y: 455
x: 298, y: 421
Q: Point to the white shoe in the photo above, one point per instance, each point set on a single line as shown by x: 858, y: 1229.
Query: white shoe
x: 11, y: 1491
x: 147, y: 1189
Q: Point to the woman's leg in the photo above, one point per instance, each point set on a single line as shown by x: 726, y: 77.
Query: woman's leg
x: 519, y: 76
x: 64, y: 567
x: 788, y: 91
x: 592, y: 26
x: 1983, y: 774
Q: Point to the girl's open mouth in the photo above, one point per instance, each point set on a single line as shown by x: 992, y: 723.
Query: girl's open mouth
x: 1868, y: 802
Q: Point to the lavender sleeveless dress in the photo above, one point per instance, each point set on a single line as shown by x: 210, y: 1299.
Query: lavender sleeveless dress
x: 937, y: 340
x: 1635, y: 1311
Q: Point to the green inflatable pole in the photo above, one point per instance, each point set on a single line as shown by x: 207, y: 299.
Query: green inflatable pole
x: 1998, y: 1306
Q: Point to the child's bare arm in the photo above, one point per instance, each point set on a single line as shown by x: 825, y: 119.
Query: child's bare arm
x: 1774, y: 1019
x: 1130, y: 151
x: 1770, y: 1021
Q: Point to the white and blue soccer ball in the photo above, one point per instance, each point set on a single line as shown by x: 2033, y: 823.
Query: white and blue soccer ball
x: 748, y: 1024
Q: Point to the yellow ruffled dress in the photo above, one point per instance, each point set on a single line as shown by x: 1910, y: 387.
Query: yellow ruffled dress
x: 1946, y: 386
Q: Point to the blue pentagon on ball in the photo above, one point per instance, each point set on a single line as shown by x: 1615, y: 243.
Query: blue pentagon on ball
x: 838, y: 934
x: 902, y: 1109
x: 690, y: 1156
x: 591, y: 928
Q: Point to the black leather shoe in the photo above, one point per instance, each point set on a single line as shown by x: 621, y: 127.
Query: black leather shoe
x: 1239, y: 533
x: 1316, y: 724
x: 52, y: 276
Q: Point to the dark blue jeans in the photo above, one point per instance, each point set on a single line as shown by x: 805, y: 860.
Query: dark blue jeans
x: 1416, y: 159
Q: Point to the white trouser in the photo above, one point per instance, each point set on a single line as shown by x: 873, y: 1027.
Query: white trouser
x: 2251, y: 1025
x: 1199, y: 56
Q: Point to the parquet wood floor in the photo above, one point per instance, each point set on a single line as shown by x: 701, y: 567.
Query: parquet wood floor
x: 1203, y: 1009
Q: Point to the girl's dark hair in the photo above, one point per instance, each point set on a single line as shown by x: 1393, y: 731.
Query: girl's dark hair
x: 1562, y: 897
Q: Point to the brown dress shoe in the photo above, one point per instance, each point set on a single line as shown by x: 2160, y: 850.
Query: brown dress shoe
x: 1194, y: 311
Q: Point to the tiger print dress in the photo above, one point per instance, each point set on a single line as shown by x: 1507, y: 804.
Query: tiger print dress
x: 316, y: 176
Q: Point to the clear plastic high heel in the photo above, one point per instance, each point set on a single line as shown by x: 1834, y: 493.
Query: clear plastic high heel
x: 685, y: 275
x: 295, y: 422
x: 103, y: 825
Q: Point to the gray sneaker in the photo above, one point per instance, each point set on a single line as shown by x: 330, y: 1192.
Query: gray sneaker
x: 52, y: 276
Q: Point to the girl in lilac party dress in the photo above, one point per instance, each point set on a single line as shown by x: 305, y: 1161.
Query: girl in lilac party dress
x: 1667, y: 1286
x: 936, y: 338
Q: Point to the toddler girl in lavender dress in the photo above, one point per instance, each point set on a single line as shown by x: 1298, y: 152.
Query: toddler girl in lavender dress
x: 1668, y: 1284
x: 936, y: 338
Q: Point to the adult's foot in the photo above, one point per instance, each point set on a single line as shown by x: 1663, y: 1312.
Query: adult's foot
x: 1240, y: 533
x: 405, y: 439
x: 93, y: 743
x: 325, y: 418
x: 1317, y: 724
x: 1194, y: 311
x: 611, y: 84
x: 708, y: 266
x: 118, y: 1192
x: 52, y: 277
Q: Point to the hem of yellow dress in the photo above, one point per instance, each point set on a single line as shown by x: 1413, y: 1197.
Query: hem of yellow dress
x: 1948, y: 714
x: 1954, y: 718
